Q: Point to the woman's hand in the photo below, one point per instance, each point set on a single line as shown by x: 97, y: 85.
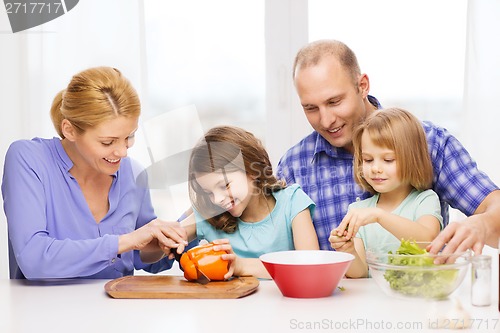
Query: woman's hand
x: 154, y: 240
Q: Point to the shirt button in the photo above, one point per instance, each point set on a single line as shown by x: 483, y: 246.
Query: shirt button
x: 358, y: 199
x: 113, y: 260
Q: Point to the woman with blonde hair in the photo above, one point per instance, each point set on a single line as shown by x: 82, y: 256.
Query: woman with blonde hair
x: 77, y: 206
x: 391, y: 160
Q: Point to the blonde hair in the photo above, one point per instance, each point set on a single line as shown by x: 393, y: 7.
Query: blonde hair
x: 229, y: 149
x: 93, y: 96
x: 314, y: 52
x: 402, y: 132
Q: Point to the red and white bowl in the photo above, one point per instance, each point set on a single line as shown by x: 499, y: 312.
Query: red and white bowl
x: 307, y: 273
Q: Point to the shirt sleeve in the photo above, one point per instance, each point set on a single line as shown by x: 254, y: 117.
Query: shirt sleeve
x: 457, y: 179
x: 298, y: 201
x: 428, y: 204
x: 37, y: 253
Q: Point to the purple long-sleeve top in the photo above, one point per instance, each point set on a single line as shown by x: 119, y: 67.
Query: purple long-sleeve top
x: 52, y: 232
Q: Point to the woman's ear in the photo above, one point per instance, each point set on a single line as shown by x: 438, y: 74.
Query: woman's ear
x: 68, y: 130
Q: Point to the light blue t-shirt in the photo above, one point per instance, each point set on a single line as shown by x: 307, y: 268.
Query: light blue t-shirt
x: 52, y: 232
x: 415, y: 205
x: 273, y: 233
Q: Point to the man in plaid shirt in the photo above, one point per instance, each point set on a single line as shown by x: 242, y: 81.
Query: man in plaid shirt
x: 334, y: 95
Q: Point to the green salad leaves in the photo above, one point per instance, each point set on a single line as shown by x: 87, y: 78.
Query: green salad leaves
x: 417, y: 280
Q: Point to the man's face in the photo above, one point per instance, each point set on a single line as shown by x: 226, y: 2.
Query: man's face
x: 332, y: 102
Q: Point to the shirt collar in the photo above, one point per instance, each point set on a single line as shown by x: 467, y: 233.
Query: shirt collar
x: 64, y: 158
x: 374, y: 101
x: 324, y: 146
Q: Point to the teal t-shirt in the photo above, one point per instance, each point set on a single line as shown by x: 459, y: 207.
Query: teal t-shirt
x: 415, y: 205
x: 273, y: 233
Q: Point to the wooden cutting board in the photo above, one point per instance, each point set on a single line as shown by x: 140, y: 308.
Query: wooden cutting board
x: 166, y: 286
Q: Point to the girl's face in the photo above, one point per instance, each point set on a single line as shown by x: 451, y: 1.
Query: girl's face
x: 232, y: 191
x: 380, y: 167
x: 101, y: 148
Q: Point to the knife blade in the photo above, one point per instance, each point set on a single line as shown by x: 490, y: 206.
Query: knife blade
x: 202, y: 278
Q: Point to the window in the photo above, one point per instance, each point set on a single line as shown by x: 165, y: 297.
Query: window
x: 215, y: 65
x: 206, y: 67
x: 403, y: 46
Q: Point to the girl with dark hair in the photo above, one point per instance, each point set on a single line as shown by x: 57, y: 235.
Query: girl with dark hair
x: 239, y: 203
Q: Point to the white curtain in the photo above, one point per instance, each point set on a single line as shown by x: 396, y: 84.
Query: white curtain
x: 482, y: 85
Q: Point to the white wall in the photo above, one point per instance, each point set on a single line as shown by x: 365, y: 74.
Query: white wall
x: 481, y: 119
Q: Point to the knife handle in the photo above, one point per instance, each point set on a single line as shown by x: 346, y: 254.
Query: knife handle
x: 177, y: 257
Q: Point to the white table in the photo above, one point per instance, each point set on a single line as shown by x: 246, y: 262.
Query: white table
x: 83, y: 306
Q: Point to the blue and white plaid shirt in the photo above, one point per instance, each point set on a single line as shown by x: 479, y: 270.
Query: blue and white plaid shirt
x: 325, y: 173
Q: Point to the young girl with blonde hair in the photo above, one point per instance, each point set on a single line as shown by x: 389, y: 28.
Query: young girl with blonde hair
x: 391, y: 160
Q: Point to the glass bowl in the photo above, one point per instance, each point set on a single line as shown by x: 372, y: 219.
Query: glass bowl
x: 415, y: 275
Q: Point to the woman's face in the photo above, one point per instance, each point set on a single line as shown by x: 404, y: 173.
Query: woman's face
x: 101, y: 148
x: 229, y: 190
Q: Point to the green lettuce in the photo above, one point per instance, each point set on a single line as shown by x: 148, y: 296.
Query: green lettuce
x: 418, y: 282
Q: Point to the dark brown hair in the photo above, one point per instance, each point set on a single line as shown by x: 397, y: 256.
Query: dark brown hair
x: 229, y: 149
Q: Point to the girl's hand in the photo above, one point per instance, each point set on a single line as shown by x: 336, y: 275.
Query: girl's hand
x: 240, y: 266
x: 341, y: 243
x: 224, y: 245
x: 355, y: 219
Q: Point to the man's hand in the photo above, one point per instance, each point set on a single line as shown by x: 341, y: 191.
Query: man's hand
x: 460, y: 236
